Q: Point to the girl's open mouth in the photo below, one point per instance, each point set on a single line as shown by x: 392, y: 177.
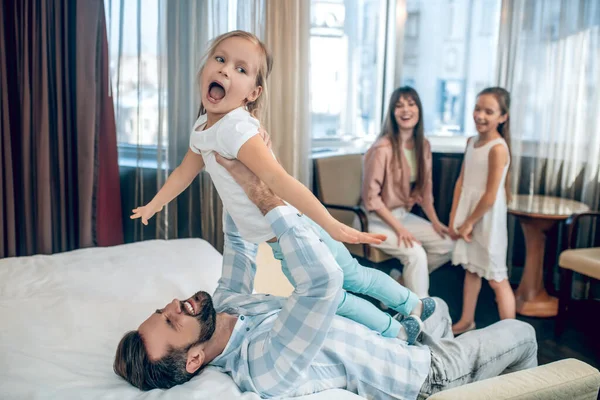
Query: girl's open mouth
x: 216, y: 92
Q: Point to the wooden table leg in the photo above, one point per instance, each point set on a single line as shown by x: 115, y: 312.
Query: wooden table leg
x: 531, y: 296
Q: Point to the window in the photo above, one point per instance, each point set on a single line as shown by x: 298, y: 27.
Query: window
x: 347, y: 42
x: 146, y: 86
x: 138, y: 98
x: 449, y: 56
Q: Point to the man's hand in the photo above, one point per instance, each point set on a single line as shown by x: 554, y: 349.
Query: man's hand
x: 265, y: 136
x: 256, y: 190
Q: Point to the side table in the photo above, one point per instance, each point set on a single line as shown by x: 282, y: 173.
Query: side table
x: 537, y: 215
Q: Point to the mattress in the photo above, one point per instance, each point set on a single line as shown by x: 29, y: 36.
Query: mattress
x: 63, y: 315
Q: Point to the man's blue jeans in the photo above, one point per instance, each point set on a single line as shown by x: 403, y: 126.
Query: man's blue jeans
x: 506, y: 346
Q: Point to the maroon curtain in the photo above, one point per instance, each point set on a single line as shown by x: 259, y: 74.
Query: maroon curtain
x: 109, y: 223
x: 59, y: 183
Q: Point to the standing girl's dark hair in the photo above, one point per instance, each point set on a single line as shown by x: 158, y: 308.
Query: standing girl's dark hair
x: 391, y: 130
x: 502, y: 96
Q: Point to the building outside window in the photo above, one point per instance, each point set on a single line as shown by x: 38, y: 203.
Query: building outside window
x: 448, y: 55
x: 347, y: 41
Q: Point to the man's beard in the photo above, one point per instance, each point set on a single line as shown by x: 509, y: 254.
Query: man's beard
x: 173, y: 365
x: 206, y: 317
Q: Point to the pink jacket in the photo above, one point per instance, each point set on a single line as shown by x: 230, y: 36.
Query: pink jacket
x: 384, y: 184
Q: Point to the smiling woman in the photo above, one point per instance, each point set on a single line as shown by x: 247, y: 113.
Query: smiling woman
x: 397, y: 175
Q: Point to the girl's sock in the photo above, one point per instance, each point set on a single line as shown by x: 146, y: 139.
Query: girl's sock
x: 418, y: 309
x: 410, y: 329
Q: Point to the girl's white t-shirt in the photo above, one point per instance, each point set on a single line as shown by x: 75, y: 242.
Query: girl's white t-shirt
x: 226, y: 137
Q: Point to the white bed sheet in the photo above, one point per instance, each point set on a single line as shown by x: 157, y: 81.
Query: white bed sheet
x: 61, y: 317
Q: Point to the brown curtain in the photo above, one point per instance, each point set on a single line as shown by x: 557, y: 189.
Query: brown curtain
x: 59, y: 183
x: 287, y: 35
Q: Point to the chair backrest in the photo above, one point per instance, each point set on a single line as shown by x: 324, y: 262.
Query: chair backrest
x: 339, y: 179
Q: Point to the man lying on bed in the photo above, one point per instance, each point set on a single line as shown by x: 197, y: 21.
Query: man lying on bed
x: 288, y: 347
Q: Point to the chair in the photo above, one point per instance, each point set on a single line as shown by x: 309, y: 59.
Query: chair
x: 338, y: 181
x: 585, y: 261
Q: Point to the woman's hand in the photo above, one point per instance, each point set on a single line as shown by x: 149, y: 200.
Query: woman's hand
x: 343, y: 233
x: 465, y: 232
x: 145, y: 212
x: 405, y: 237
x: 451, y: 230
x: 453, y: 234
x: 418, y: 199
x: 441, y: 229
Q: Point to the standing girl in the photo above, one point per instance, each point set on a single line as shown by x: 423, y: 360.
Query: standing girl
x: 479, y: 207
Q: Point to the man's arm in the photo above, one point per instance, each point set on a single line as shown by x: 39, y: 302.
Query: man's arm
x: 298, y: 333
x: 239, y: 255
x: 236, y: 285
x: 239, y: 266
x: 301, y: 327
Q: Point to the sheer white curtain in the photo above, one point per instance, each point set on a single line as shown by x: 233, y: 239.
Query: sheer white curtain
x: 550, y: 62
x: 549, y: 59
x: 156, y: 48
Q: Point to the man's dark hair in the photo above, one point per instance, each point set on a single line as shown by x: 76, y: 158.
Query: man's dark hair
x: 133, y: 364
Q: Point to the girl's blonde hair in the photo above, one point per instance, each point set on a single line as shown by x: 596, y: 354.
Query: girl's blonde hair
x: 502, y: 96
x: 258, y: 106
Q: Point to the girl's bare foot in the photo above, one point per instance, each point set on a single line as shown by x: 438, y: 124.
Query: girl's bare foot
x: 462, y: 327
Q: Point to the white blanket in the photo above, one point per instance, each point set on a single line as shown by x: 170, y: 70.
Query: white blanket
x: 61, y: 318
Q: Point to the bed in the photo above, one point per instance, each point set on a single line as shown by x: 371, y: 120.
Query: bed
x: 63, y: 315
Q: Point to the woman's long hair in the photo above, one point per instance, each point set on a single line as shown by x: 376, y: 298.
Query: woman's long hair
x: 392, y: 130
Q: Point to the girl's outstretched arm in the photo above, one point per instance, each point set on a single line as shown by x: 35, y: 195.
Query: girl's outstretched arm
x: 259, y: 159
x: 177, y: 182
x: 497, y: 161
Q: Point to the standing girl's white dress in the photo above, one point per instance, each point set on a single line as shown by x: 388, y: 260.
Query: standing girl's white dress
x: 486, y: 254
